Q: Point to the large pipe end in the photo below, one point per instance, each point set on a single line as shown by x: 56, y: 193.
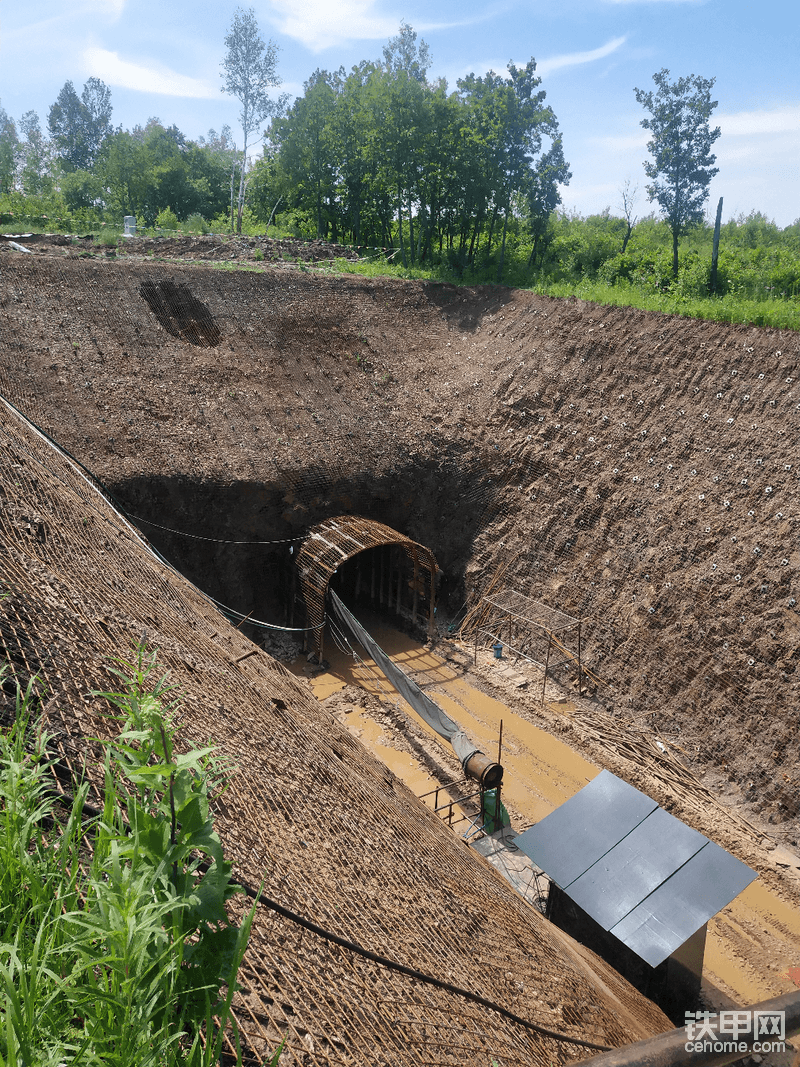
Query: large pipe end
x: 484, y: 770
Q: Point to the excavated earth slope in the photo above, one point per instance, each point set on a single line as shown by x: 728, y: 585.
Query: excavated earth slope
x: 330, y: 832
x: 635, y: 469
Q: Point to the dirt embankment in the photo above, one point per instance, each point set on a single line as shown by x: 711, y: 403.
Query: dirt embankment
x: 631, y: 468
x: 228, y: 248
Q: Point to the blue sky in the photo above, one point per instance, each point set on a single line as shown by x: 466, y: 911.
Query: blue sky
x: 163, y: 59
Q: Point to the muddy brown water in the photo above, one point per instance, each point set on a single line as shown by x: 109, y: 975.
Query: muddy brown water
x: 753, y: 945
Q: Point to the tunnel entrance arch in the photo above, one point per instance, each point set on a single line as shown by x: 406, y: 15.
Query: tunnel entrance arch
x: 331, y: 543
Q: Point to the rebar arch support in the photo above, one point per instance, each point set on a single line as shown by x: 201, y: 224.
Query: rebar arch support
x: 331, y: 543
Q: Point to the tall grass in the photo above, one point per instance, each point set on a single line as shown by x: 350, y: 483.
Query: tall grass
x: 115, y: 944
x: 732, y: 307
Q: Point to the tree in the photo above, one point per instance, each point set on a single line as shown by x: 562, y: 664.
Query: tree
x: 80, y: 125
x: 9, y: 149
x: 249, y: 72
x: 307, y: 150
x: 543, y: 194
x: 36, y: 178
x: 628, y: 195
x: 402, y: 53
x: 682, y: 166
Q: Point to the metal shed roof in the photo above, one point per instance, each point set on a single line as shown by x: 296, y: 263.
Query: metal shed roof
x: 639, y: 872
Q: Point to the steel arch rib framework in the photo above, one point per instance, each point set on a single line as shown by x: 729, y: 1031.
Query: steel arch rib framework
x: 331, y: 543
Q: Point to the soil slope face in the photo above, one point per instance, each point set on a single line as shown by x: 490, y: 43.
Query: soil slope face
x: 324, y: 828
x: 634, y: 469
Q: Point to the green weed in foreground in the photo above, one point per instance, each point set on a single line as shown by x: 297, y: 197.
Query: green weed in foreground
x: 115, y: 944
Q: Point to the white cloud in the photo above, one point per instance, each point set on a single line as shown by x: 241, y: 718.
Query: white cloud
x: 318, y: 24
x: 154, y: 78
x: 574, y: 59
x: 751, y: 123
x: 543, y: 66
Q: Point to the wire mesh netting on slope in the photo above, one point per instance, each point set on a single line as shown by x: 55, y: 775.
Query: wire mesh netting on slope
x: 330, y: 831
x: 638, y: 470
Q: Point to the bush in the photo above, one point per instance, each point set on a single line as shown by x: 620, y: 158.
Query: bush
x: 166, y: 219
x: 196, y: 224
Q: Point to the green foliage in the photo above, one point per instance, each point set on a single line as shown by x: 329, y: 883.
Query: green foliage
x: 682, y: 165
x: 79, y: 125
x: 166, y: 219
x: 81, y: 190
x: 9, y: 148
x: 196, y: 224
x: 119, y: 954
x: 107, y: 238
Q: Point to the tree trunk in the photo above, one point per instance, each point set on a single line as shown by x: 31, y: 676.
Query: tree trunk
x: 534, y: 250
x: 410, y: 228
x: 475, y: 233
x: 241, y: 192
x: 712, y: 281
x: 233, y: 173
x: 503, y: 246
x: 628, y: 233
x: 491, y: 232
x: 400, y: 226
x: 675, y: 251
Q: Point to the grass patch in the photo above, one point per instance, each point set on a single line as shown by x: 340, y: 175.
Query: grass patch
x: 781, y: 314
x: 115, y: 943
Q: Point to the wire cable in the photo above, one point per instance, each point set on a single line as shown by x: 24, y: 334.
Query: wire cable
x: 411, y: 972
x: 216, y: 540
x: 103, y: 491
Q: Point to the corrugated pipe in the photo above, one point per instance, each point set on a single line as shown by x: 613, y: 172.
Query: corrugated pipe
x: 675, y: 1049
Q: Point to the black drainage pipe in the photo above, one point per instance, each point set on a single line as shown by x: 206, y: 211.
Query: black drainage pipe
x: 674, y: 1049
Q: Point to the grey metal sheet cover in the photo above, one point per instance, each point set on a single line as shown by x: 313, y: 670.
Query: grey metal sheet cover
x: 623, y: 877
x: 573, y: 837
x: 672, y: 913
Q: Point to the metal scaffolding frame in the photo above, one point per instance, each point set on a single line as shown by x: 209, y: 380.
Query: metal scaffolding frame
x: 518, y: 612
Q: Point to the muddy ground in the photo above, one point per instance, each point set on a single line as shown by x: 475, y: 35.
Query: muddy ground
x: 633, y: 469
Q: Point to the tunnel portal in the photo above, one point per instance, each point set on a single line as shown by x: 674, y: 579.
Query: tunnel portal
x: 330, y: 545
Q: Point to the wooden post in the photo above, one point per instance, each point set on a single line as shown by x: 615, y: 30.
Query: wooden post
x: 372, y: 577
x: 383, y: 552
x: 292, y: 594
x: 546, y: 665
x: 399, y: 586
x: 415, y: 599
x: 432, y: 608
x: 712, y: 281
